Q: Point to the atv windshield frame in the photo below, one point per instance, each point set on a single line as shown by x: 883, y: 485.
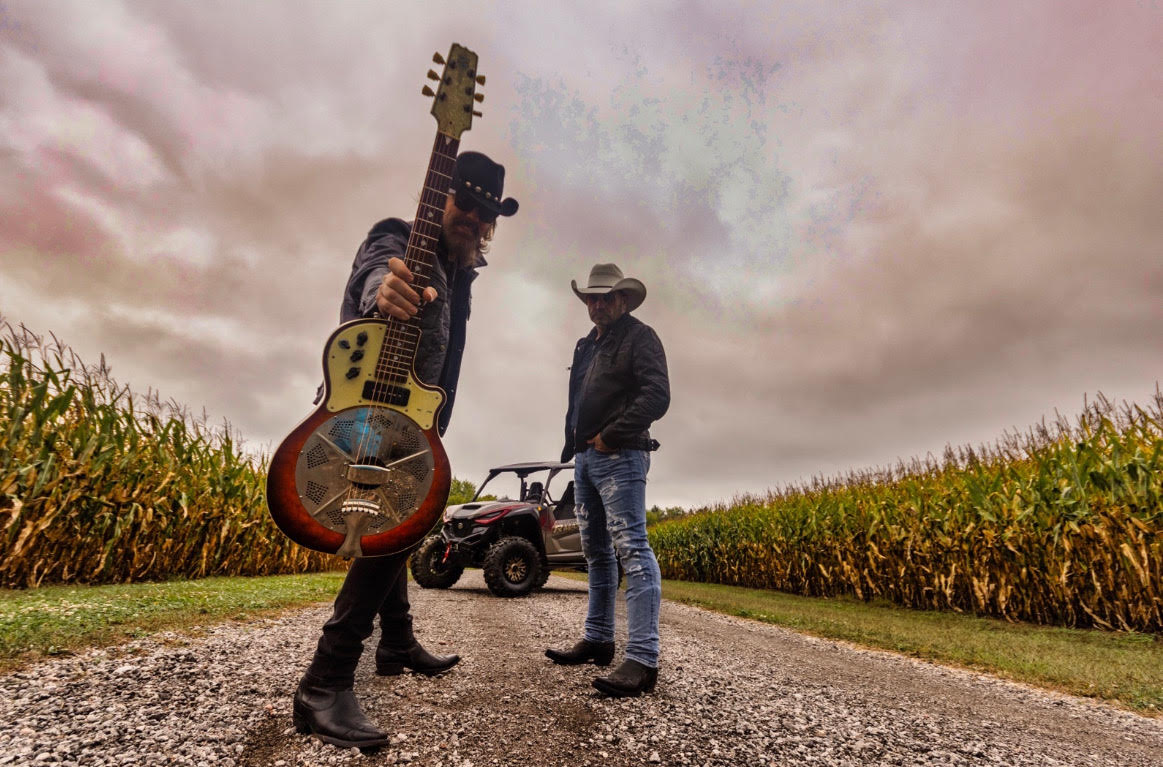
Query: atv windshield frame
x: 523, y: 471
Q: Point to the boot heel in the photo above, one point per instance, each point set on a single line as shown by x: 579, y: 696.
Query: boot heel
x: 300, y: 722
x: 389, y: 669
x: 604, y: 659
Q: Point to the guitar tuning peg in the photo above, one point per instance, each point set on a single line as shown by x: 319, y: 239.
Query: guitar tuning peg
x: 438, y: 58
x: 476, y: 113
x: 480, y: 79
x: 479, y: 96
x: 432, y: 75
x: 427, y: 91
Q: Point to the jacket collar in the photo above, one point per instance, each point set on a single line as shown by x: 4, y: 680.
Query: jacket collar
x: 618, y: 326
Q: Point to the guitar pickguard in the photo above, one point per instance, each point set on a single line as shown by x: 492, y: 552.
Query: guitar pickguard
x: 350, y: 361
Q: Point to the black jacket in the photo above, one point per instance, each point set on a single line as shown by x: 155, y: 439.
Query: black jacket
x: 623, y: 391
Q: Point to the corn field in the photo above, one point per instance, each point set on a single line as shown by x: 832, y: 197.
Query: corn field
x: 101, y: 485
x: 1062, y: 525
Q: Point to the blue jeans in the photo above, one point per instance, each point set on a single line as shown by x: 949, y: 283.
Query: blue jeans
x: 610, y: 491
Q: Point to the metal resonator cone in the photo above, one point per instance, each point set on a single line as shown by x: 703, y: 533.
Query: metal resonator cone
x: 364, y: 471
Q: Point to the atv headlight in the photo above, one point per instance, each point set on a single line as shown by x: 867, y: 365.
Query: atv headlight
x: 486, y: 519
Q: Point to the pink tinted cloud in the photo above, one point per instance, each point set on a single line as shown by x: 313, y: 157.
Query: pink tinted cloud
x: 1029, y: 63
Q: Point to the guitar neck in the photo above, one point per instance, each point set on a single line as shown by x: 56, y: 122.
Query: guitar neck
x: 421, y: 254
x: 403, y: 336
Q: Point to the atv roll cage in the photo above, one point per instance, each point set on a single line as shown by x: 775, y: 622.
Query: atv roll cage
x: 533, y: 492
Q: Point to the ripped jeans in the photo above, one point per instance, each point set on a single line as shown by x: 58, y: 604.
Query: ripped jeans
x: 610, y: 491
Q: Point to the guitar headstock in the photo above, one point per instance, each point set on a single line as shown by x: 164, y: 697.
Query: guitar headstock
x: 455, y: 95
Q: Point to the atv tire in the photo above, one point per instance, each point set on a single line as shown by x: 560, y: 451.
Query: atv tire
x: 430, y: 570
x: 512, y: 566
x: 544, y: 576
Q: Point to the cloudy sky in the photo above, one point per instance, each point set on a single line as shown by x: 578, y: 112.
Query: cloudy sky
x: 868, y: 230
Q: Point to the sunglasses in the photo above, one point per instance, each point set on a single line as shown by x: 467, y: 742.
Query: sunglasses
x: 467, y: 204
x: 599, y: 298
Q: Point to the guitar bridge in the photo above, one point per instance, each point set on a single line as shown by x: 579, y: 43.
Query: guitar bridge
x: 367, y: 475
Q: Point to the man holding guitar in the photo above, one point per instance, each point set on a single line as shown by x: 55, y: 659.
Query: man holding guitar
x: 381, y: 284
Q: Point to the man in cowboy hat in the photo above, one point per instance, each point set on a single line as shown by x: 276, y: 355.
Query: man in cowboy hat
x: 618, y: 386
x: 380, y: 285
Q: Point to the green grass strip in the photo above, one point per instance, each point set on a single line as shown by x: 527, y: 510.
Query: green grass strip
x: 1126, y: 668
x: 57, y: 619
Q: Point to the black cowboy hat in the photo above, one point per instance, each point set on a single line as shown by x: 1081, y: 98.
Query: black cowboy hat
x: 482, y: 180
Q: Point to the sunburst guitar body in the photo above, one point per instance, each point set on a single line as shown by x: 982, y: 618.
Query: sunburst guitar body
x: 366, y: 474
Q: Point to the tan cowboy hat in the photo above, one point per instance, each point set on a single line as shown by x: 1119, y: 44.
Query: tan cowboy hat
x: 605, y: 278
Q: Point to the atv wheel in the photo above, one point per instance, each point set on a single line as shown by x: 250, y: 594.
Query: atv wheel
x: 512, y: 567
x: 429, y: 568
x: 544, y: 576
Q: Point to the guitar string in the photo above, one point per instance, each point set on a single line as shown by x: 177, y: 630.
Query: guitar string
x: 402, y: 336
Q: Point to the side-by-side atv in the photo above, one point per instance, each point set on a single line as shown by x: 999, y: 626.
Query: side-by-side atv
x: 516, y: 541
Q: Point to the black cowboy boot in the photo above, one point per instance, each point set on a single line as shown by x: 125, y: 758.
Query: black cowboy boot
x: 334, y: 716
x: 391, y: 661
x: 629, y: 680
x: 601, y: 653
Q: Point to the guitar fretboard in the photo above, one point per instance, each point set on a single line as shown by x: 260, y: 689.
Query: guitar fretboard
x: 403, y: 336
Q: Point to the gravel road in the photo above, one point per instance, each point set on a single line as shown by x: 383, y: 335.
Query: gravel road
x: 731, y: 692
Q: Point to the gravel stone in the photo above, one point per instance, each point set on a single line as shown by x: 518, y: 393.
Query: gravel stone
x: 730, y: 692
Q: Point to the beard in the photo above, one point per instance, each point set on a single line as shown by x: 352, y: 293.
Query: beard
x: 464, y: 239
x: 463, y: 249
